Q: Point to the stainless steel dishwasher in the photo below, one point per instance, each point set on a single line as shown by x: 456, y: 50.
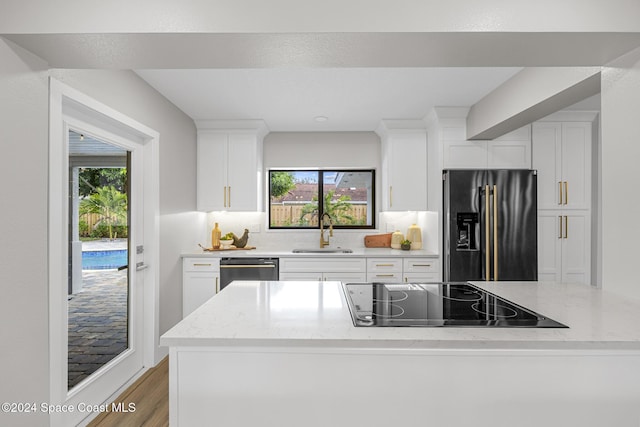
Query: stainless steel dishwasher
x: 247, y: 269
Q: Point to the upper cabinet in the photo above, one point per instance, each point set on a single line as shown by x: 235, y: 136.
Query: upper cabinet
x: 229, y: 166
x: 510, y: 151
x: 404, y: 165
x: 562, y: 156
x: 448, y: 128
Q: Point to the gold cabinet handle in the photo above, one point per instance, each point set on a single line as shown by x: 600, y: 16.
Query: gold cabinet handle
x: 421, y: 265
x: 229, y: 197
x: 224, y: 194
x: 495, y: 233
x: 566, y: 227
x: 384, y: 265
x: 559, y: 192
x: 202, y: 265
x: 390, y: 196
x: 487, y: 245
x: 217, y: 285
x: 559, y: 226
x: 566, y: 192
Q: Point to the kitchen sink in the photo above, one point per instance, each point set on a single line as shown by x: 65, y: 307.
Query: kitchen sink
x: 322, y: 251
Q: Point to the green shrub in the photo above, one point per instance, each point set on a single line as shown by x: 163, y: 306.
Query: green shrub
x: 83, y: 228
x: 101, y: 231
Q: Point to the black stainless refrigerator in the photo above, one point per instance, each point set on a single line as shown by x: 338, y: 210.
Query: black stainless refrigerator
x: 490, y: 224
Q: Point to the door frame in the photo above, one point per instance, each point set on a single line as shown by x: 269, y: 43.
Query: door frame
x: 65, y: 101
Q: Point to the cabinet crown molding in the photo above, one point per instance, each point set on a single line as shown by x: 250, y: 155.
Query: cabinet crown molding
x: 259, y: 127
x: 385, y: 127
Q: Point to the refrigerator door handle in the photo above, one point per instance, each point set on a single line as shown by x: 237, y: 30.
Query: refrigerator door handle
x: 495, y: 233
x: 487, y: 246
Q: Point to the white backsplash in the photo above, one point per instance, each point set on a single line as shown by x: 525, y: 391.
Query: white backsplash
x: 263, y: 238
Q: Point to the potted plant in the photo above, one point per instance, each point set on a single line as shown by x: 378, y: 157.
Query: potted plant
x: 405, y: 245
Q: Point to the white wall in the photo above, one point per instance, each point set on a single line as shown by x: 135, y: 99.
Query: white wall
x: 24, y: 333
x: 322, y: 149
x: 620, y: 160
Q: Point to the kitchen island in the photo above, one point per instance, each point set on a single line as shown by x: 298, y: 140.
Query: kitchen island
x: 287, y: 354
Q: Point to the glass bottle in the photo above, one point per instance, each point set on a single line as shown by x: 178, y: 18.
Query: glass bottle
x: 215, y: 237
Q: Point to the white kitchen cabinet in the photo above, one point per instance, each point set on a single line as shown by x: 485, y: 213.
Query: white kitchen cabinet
x: 384, y: 269
x: 229, y: 170
x: 564, y: 246
x: 510, y: 151
x: 420, y: 270
x: 322, y: 269
x: 562, y: 156
x: 200, y: 281
x: 404, y: 166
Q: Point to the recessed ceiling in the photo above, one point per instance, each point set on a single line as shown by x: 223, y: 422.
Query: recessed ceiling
x: 352, y: 99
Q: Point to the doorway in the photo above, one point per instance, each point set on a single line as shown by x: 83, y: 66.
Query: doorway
x: 98, y: 304
x: 103, y: 206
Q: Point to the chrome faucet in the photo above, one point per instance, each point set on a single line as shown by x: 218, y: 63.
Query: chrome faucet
x: 323, y: 242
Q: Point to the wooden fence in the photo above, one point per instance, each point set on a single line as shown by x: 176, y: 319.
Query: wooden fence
x: 285, y: 215
x: 91, y: 219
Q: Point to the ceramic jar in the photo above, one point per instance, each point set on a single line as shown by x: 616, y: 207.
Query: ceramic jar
x: 414, y: 235
x: 396, y: 239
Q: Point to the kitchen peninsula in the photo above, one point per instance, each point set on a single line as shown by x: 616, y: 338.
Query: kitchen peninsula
x: 288, y: 354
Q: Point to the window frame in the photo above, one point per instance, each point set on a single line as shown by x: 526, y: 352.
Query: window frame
x: 320, y: 172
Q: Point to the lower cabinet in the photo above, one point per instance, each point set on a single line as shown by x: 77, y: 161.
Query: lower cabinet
x: 200, y: 281
x: 323, y: 269
x: 420, y: 270
x: 384, y: 269
x: 564, y: 249
x: 391, y: 269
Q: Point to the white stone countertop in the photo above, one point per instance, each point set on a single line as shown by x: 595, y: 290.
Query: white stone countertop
x: 357, y: 252
x: 315, y: 314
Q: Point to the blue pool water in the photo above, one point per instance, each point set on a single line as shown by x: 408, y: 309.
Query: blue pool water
x: 104, y: 260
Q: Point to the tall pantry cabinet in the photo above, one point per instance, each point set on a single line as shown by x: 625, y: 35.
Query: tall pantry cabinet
x: 562, y: 154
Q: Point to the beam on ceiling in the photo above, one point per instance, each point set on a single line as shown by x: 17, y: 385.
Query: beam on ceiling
x: 541, y: 91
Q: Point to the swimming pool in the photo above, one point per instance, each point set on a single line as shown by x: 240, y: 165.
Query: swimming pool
x: 104, y: 260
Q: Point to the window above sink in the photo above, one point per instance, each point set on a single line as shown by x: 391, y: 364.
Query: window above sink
x: 298, y: 198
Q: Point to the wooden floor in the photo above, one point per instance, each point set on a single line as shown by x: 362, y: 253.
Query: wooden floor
x: 150, y: 394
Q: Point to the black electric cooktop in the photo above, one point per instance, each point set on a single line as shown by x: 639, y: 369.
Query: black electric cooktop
x: 437, y: 304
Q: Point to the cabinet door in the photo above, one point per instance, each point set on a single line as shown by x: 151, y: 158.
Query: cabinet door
x: 406, y: 161
x: 314, y: 276
x: 576, y: 165
x: 547, y: 154
x: 211, y: 171
x: 198, y: 288
x: 345, y: 277
x: 420, y: 277
x: 463, y: 154
x: 576, y: 247
x: 510, y: 151
x: 550, y: 237
x: 242, y: 176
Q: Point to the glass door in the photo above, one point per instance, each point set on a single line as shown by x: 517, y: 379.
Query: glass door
x: 98, y: 300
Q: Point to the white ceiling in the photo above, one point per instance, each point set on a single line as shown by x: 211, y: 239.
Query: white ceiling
x: 353, y: 99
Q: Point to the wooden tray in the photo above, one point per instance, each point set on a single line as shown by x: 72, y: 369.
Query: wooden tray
x: 246, y: 248
x: 378, y: 241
